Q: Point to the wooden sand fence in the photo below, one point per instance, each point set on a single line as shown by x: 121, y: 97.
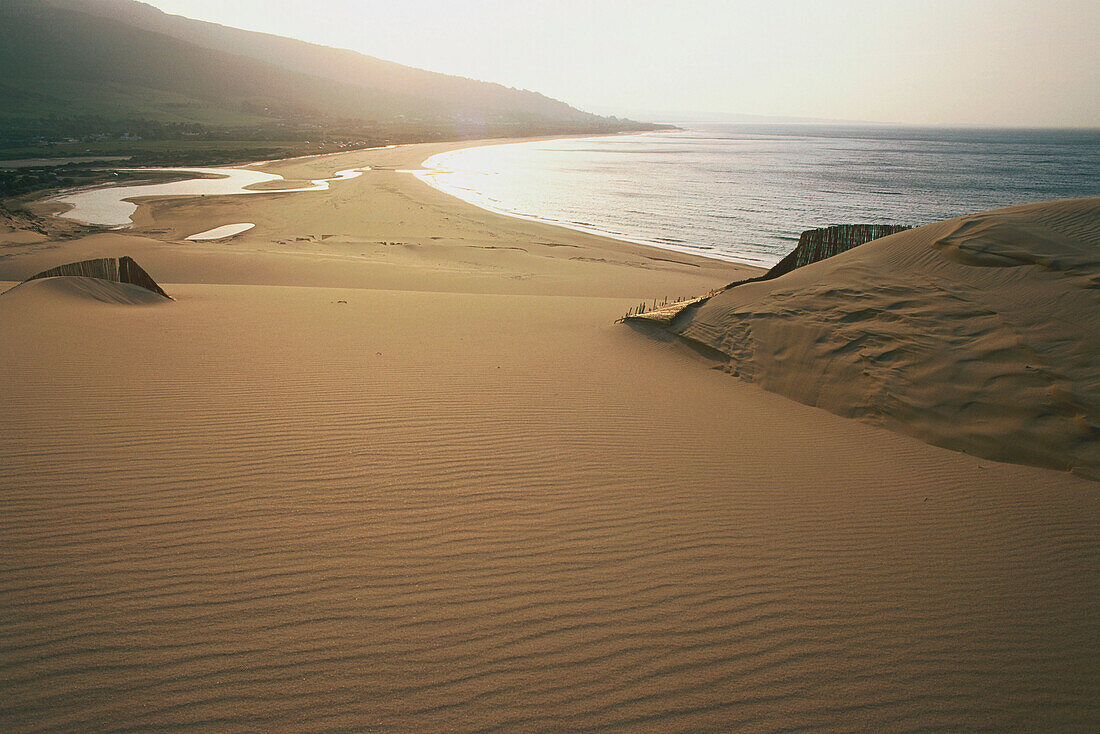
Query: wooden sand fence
x: 813, y: 245
x: 116, y: 270
x: 821, y: 244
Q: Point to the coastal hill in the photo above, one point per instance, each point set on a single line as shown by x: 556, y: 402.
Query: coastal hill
x: 391, y: 88
x: 120, y: 69
x: 980, y: 334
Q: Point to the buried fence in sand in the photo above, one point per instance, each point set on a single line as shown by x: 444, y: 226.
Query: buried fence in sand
x: 813, y: 246
x: 116, y: 270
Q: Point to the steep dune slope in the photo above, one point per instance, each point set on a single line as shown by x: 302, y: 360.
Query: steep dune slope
x: 981, y: 334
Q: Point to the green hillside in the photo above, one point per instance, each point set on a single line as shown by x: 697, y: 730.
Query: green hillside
x: 450, y: 96
x: 93, y: 75
x: 58, y: 61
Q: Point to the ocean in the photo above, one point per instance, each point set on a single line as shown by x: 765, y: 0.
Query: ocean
x: 745, y: 192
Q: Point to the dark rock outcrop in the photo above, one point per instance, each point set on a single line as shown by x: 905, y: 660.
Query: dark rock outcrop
x: 116, y: 270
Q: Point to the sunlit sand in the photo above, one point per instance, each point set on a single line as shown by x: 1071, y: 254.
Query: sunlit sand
x: 387, y: 462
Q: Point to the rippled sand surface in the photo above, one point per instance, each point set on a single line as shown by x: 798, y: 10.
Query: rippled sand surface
x: 412, y: 477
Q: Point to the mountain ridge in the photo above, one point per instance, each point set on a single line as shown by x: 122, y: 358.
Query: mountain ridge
x: 330, y: 62
x: 80, y: 73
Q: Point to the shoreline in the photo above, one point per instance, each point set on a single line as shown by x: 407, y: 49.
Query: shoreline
x: 709, y: 253
x: 590, y: 230
x: 54, y: 197
x: 171, y: 220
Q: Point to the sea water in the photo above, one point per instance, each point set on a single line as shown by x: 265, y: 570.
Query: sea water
x: 114, y: 206
x: 745, y: 192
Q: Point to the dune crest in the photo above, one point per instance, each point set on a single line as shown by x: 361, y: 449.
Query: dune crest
x: 979, y: 334
x: 78, y: 288
x: 104, y: 279
x: 122, y: 270
x: 1001, y: 243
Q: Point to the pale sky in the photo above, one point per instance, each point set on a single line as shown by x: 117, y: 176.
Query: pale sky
x: 970, y: 62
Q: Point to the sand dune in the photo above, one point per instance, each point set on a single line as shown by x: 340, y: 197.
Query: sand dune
x: 44, y: 293
x: 981, y: 334
x: 445, y: 492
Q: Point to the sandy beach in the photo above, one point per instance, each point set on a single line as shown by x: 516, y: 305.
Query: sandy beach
x: 387, y: 463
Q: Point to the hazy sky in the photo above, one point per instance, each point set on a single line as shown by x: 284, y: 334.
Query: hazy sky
x: 991, y: 62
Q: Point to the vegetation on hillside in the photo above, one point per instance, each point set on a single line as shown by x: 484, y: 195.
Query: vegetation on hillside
x: 121, y: 78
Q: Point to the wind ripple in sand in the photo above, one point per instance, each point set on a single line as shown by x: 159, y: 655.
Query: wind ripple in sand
x: 382, y: 535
